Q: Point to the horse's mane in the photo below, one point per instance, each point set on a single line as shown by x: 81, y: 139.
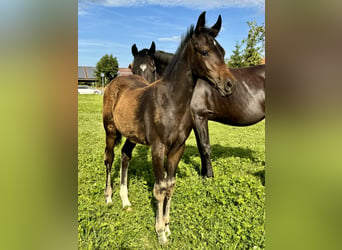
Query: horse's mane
x: 169, y: 69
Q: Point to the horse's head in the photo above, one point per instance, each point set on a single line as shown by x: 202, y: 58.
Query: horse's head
x: 143, y: 63
x: 208, y: 60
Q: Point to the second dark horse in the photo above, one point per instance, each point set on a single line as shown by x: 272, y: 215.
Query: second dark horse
x: 244, y: 107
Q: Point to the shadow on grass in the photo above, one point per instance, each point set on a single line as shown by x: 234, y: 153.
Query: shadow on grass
x: 217, y: 152
x: 141, y: 166
x: 261, y: 175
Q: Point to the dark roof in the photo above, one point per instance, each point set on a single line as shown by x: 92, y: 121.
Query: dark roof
x: 86, y: 73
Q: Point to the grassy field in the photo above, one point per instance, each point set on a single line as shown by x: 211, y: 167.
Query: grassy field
x: 226, y: 212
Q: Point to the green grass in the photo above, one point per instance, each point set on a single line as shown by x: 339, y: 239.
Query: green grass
x: 226, y: 212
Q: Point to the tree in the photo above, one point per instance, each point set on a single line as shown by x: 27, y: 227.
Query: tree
x: 235, y: 60
x: 107, y: 65
x: 255, y: 45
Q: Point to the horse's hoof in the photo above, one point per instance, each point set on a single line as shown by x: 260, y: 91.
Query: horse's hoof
x: 127, y: 209
x: 162, y: 238
x: 209, y: 174
x: 108, y: 200
x: 126, y: 205
x: 167, y: 231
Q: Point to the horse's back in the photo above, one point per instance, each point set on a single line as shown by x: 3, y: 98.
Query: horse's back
x: 251, y: 75
x: 119, y: 85
x: 124, y: 82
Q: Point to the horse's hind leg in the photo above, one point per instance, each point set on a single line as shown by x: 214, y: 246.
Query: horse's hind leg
x: 126, y: 155
x: 108, y: 161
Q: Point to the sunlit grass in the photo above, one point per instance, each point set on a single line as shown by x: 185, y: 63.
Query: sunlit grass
x: 226, y: 212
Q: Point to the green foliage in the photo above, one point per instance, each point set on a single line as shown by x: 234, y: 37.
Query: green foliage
x: 235, y: 60
x: 252, y: 53
x: 225, y: 212
x: 107, y: 65
x: 254, y: 47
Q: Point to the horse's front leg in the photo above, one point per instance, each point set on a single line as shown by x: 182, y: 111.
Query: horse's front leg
x: 126, y: 155
x: 172, y: 163
x: 203, y: 144
x: 159, y: 189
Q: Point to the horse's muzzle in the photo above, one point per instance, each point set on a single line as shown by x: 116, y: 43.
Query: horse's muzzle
x: 228, y: 88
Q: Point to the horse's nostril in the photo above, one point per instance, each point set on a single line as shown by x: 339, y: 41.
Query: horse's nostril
x: 229, y: 84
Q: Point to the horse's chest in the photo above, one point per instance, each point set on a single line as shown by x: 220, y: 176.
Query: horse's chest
x: 171, y: 125
x: 181, y: 129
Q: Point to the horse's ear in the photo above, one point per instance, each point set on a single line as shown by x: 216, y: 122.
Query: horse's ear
x: 134, y: 50
x: 216, y: 27
x: 200, y: 23
x: 153, y: 48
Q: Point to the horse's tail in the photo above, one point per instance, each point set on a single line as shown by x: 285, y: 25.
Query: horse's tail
x: 110, y: 99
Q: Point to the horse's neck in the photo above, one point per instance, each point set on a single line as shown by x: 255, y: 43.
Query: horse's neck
x: 180, y: 82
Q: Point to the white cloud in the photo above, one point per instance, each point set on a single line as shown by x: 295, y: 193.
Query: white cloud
x: 82, y: 8
x: 172, y: 38
x: 98, y: 43
x: 82, y: 12
x: 194, y: 4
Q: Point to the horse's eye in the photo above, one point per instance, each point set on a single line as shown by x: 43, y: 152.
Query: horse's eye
x: 204, y: 53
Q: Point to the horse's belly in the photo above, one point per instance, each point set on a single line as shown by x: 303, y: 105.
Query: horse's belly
x: 128, y: 123
x: 239, y: 115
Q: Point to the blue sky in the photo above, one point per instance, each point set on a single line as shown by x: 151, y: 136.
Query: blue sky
x: 113, y: 26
